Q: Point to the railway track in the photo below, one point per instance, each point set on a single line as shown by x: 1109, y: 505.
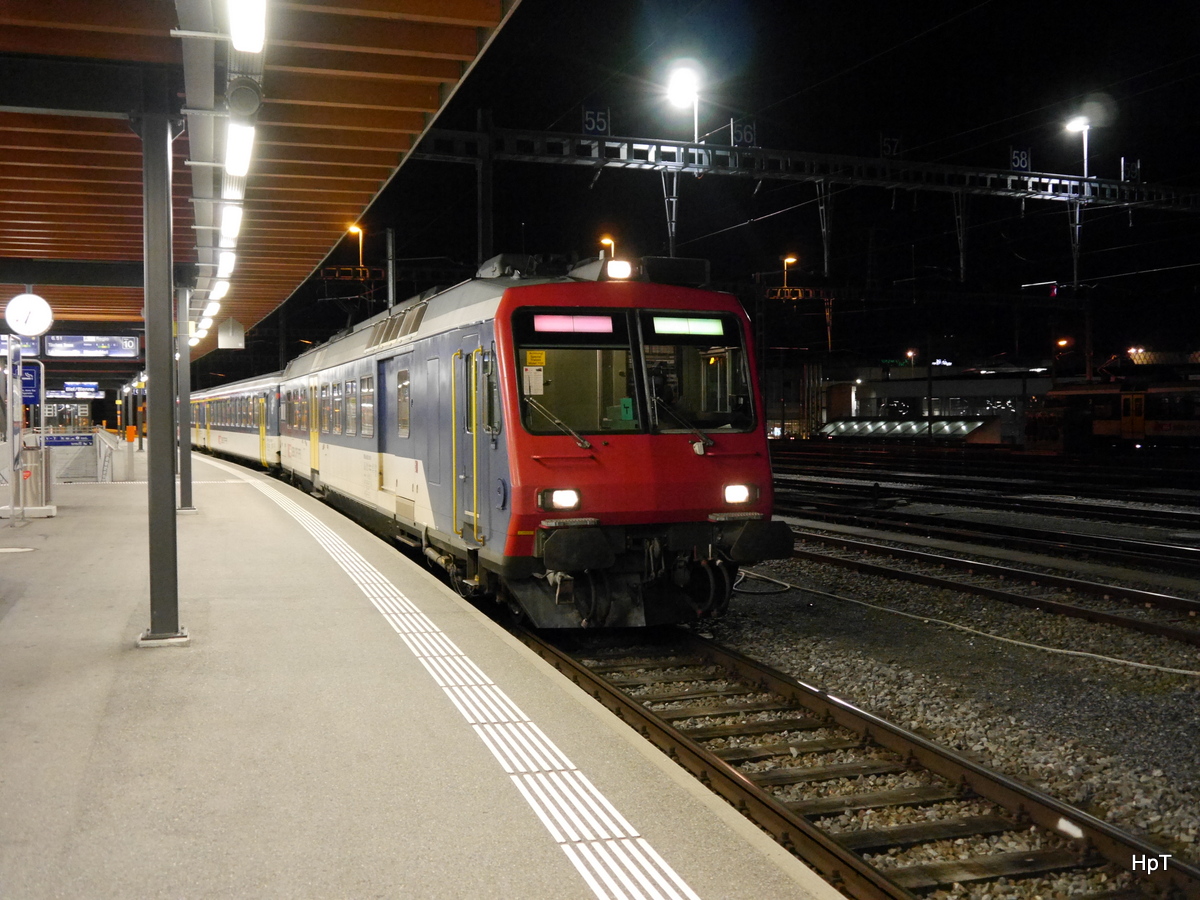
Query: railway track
x: 798, y: 761
x: 1133, y: 552
x: 1043, y: 584
x: 823, y: 489
x: 1119, y: 478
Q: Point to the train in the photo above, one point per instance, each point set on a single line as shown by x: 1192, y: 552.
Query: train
x: 586, y: 447
x: 1084, y: 418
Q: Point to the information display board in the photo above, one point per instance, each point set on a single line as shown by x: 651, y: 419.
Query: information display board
x: 29, y: 345
x: 92, y: 345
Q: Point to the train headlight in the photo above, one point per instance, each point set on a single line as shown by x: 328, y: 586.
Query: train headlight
x: 559, y: 498
x: 739, y: 493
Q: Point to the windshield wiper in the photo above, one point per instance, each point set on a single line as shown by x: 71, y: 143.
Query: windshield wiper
x: 707, y: 441
x: 581, y: 441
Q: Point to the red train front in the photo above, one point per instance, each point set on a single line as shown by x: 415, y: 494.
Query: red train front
x: 639, y: 471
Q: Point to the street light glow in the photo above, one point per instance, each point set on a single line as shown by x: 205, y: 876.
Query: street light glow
x: 683, y: 86
x: 1079, y: 123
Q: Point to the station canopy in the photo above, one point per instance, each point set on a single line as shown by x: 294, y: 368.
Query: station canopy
x: 344, y: 90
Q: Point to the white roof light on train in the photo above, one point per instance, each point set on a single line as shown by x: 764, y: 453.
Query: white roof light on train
x: 618, y: 269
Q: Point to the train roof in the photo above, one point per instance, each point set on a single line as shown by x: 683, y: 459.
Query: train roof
x: 471, y: 301
x: 254, y: 385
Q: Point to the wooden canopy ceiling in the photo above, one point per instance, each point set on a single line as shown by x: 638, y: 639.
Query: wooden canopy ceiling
x: 348, y: 86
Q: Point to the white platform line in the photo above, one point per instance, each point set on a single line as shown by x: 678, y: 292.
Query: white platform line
x: 610, y: 856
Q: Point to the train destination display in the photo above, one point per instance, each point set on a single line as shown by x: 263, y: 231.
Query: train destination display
x: 112, y: 346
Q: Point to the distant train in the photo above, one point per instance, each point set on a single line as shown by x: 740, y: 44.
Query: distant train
x: 1094, y: 417
x: 586, y: 448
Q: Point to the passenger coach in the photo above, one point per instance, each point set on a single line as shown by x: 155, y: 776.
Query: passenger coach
x: 587, y: 448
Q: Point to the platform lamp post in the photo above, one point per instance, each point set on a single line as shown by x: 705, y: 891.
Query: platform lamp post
x: 1082, y: 125
x: 608, y: 242
x: 355, y: 229
x: 683, y: 89
x: 787, y: 261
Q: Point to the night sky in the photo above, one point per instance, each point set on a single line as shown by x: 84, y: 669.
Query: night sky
x: 957, y: 83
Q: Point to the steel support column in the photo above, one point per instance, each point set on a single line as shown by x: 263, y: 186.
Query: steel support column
x: 670, y: 180
x: 824, y: 207
x: 1075, y: 210
x: 483, y: 187
x: 183, y: 366
x: 960, y: 227
x: 155, y: 128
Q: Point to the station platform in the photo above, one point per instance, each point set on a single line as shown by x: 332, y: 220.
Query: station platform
x: 340, y: 724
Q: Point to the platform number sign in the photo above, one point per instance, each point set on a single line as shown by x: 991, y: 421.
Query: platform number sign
x: 889, y: 146
x: 597, y: 122
x: 1020, y: 159
x: 743, y: 134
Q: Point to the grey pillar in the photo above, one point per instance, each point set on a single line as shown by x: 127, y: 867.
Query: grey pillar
x: 391, y: 267
x: 183, y: 366
x: 156, y: 133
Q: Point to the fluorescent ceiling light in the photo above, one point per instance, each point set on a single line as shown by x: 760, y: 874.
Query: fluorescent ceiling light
x: 219, y: 290
x: 212, y: 309
x: 231, y: 221
x: 225, y: 263
x: 205, y: 324
x: 239, y: 144
x: 199, y: 335
x: 193, y: 341
x: 248, y: 24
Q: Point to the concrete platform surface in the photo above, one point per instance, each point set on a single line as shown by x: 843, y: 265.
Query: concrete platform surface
x: 340, y: 725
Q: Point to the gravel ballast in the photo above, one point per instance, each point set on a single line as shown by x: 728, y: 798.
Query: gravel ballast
x: 1121, y: 743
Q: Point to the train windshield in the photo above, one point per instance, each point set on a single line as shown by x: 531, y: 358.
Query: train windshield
x: 601, y: 371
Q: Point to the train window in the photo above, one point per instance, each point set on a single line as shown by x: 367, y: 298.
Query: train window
x: 491, y: 393
x: 403, y: 404
x: 324, y: 407
x: 335, y: 407
x: 470, y: 392
x: 576, y: 367
x: 283, y: 410
x: 351, y: 407
x: 366, y: 392
x: 697, y: 371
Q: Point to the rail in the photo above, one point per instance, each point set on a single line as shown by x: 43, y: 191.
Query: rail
x: 804, y: 707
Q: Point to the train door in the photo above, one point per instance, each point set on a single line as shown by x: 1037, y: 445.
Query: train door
x: 1133, y: 416
x: 400, y: 454
x: 261, y: 410
x: 470, y: 439
x: 314, y: 436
